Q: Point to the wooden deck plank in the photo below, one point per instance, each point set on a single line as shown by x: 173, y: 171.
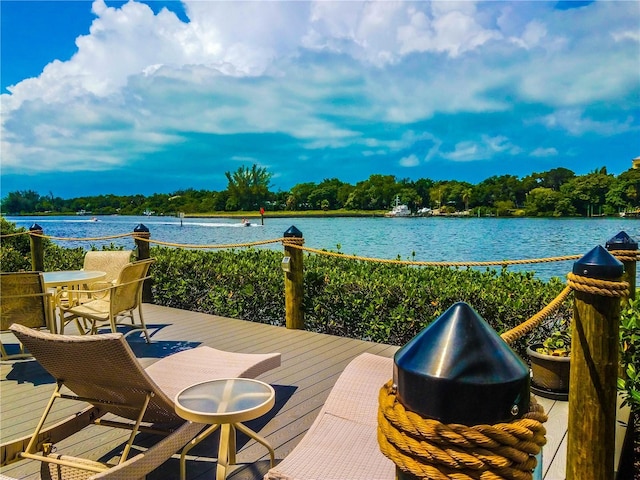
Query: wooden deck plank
x: 311, y: 363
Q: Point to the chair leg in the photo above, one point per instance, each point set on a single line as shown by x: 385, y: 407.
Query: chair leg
x: 144, y: 327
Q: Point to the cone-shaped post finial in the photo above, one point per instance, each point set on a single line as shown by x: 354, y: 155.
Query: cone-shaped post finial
x: 621, y: 241
x: 292, y: 231
x: 459, y: 370
x: 142, y: 228
x: 598, y: 263
x: 35, y: 227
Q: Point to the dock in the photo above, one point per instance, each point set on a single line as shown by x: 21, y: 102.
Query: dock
x: 311, y: 363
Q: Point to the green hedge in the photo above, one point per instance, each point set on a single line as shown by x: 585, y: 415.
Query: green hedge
x: 370, y: 301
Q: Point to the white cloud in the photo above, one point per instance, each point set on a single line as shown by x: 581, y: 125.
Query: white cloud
x: 485, y: 148
x: 409, y: 161
x: 576, y: 123
x: 324, y: 74
x: 544, y: 152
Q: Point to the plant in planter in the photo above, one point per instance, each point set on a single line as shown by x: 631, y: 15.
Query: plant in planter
x: 550, y: 363
x: 558, y: 344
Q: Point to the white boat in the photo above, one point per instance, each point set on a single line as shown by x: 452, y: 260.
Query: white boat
x: 398, y: 210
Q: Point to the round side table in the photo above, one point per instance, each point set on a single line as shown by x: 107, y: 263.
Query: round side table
x: 224, y: 403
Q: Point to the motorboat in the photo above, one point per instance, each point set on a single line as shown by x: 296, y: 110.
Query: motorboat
x: 398, y: 210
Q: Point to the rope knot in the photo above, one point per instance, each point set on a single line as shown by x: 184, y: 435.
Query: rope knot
x: 427, y: 448
x: 595, y: 286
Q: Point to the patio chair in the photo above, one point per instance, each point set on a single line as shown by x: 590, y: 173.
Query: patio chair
x: 342, y: 443
x: 121, y: 301
x: 109, y: 261
x: 102, y: 371
x: 24, y: 300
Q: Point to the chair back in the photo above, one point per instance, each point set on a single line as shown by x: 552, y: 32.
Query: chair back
x: 24, y: 300
x: 100, y: 367
x: 110, y: 262
x: 127, y: 293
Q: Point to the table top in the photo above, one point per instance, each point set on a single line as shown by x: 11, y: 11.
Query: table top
x: 72, y: 277
x: 226, y: 400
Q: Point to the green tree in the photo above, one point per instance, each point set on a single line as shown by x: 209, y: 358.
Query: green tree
x: 248, y: 188
x: 588, y: 192
x: 25, y: 201
x: 542, y: 202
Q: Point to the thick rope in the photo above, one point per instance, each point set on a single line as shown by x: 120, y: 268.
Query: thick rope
x: 524, y: 328
x: 439, y: 264
x: 594, y: 286
x: 429, y: 449
x: 78, y: 239
x: 298, y: 243
x: 228, y: 245
x: 626, y: 255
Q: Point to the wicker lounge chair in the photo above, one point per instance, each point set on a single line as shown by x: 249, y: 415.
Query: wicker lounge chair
x: 103, y: 371
x: 113, y: 303
x: 24, y: 300
x: 342, y: 444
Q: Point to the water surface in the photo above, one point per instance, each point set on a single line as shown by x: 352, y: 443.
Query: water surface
x: 423, y: 239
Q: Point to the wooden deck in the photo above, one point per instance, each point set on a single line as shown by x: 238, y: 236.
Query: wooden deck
x: 311, y: 363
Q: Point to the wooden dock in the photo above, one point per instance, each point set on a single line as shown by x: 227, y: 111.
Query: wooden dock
x: 311, y: 363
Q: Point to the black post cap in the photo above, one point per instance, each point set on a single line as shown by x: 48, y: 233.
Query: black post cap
x: 293, y: 232
x: 35, y: 227
x: 621, y: 241
x: 459, y: 370
x: 141, y: 227
x: 599, y: 263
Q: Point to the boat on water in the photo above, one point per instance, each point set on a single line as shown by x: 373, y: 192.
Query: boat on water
x: 398, y: 210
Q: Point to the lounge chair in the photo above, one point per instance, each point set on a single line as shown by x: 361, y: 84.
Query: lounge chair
x: 111, y: 304
x: 342, y: 444
x: 102, y: 371
x: 24, y: 300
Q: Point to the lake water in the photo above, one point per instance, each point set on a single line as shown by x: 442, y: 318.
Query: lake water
x: 421, y: 239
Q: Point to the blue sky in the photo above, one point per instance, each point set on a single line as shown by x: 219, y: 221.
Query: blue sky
x: 131, y: 97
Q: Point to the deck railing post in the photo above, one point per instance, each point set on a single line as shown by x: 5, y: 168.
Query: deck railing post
x: 620, y: 245
x: 37, y: 248
x: 293, y: 268
x: 141, y: 236
x: 594, y: 368
x: 455, y: 371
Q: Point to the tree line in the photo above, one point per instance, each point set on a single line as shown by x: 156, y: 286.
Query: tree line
x: 557, y: 192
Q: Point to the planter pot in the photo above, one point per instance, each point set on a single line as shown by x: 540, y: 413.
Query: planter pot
x: 550, y: 374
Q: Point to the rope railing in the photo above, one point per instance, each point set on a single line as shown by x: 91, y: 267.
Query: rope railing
x: 79, y: 239
x: 290, y: 241
x: 535, y: 320
x: 437, y: 264
x: 574, y: 282
x: 228, y: 245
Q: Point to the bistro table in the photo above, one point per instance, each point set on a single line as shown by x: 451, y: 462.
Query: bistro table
x: 72, y: 278
x: 224, y: 403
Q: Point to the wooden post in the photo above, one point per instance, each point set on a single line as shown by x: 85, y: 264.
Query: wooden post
x: 141, y: 235
x: 594, y: 370
x: 621, y: 242
x: 292, y: 265
x: 37, y: 248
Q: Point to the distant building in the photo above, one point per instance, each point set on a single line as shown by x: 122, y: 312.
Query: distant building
x: 636, y: 162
